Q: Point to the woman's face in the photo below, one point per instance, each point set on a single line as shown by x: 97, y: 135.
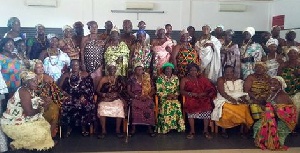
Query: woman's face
x: 32, y: 84
x: 259, y: 69
x: 75, y: 66
x: 40, y: 30
x: 127, y: 27
x: 291, y: 36
x: 16, y: 26
x: 193, y: 71
x: 21, y: 47
x: 94, y: 28
x: 39, y: 68
x: 228, y: 37
x: 293, y: 54
x: 168, y: 71
x: 68, y: 33
x: 114, y: 35
x: 169, y: 29
x: 54, y: 42
x: 139, y: 71
x: 246, y: 35
x: 275, y: 85
x: 184, y: 37
x: 272, y: 48
x: 206, y: 30
x: 141, y: 37
x: 9, y: 46
x: 112, y: 70
x: 161, y: 33
x: 229, y: 73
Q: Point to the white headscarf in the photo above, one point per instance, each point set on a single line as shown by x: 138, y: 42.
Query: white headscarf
x: 66, y: 27
x: 272, y: 41
x: 281, y: 80
x: 183, y: 31
x: 251, y: 30
x: 159, y: 28
x: 220, y: 26
x: 115, y: 28
x: 291, y: 48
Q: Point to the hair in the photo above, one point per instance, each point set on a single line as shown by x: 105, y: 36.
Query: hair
x: 11, y: 22
x: 89, y: 24
x: 191, y: 65
x: 4, y: 41
x: 190, y: 27
x: 167, y: 25
x: 226, y: 67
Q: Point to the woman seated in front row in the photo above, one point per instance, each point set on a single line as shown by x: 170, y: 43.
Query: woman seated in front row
x: 278, y: 118
x: 111, y: 103
x: 231, y: 107
x: 23, y: 119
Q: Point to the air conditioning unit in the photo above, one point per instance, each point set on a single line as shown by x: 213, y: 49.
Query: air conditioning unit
x: 45, y: 3
x: 139, y: 6
x: 233, y: 8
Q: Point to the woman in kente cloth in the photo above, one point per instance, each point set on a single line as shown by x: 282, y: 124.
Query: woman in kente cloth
x: 68, y: 44
x: 79, y: 109
x: 117, y: 52
x: 278, y: 118
x: 92, y: 51
x: 48, y: 88
x: 141, y: 91
x: 183, y: 54
x: 141, y: 52
x: 170, y: 114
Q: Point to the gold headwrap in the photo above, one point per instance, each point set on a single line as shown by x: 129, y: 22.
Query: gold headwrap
x: 286, y: 51
x: 281, y: 80
x: 27, y: 75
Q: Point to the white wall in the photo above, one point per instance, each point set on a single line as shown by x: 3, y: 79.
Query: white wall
x: 180, y: 13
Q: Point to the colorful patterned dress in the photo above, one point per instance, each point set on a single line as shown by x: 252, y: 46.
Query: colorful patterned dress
x: 142, y: 110
x: 69, y: 47
x: 93, y: 55
x: 142, y: 54
x: 27, y: 132
x: 112, y: 54
x: 11, y: 69
x: 184, y: 57
x: 250, y: 54
x: 199, y: 108
x: 170, y: 114
x: 272, y: 129
x: 79, y: 109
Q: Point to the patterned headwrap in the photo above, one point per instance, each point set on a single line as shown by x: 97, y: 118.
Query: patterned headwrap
x: 138, y: 64
x: 27, y: 75
x: 291, y: 48
x: 51, y: 35
x: 141, y: 32
x: 251, y: 31
x: 220, y: 26
x: 168, y: 64
x: 262, y: 64
x: 33, y: 63
x: 11, y: 21
x: 183, y: 31
x: 159, y: 28
x: 66, y: 27
x: 281, y: 80
x: 272, y: 41
x: 115, y: 28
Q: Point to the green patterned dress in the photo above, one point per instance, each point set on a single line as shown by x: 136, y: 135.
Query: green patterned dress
x: 170, y: 114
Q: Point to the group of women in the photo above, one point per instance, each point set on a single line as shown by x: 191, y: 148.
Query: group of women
x: 48, y: 82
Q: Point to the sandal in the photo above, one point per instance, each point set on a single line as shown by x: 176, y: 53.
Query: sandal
x: 190, y: 136
x: 84, y: 134
x: 101, y: 136
x: 224, y: 135
x: 207, y: 135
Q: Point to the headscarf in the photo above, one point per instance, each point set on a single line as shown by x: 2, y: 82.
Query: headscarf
x: 27, y: 75
x: 115, y: 28
x: 168, y: 64
x: 138, y: 64
x: 183, y: 31
x: 220, y: 26
x: 272, y: 41
x: 281, y: 80
x: 251, y: 31
x: 141, y: 32
x: 33, y: 63
x: 291, y: 48
x: 51, y: 35
x: 66, y: 27
x: 159, y: 28
x: 11, y: 21
x: 229, y: 32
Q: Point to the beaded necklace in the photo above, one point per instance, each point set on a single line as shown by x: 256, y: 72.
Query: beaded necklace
x: 53, y: 53
x: 76, y: 84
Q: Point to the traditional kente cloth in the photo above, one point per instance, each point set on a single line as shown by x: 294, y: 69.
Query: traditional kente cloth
x: 260, y: 90
x: 272, y: 129
x: 253, y: 53
x: 142, y: 54
x: 79, y: 109
x: 111, y: 107
x: 11, y: 69
x: 112, y: 54
x: 69, y: 48
x: 170, y: 114
x: 142, y: 110
x: 232, y: 58
x: 27, y: 132
x: 93, y: 55
x: 185, y: 57
x: 228, y: 115
x: 199, y: 107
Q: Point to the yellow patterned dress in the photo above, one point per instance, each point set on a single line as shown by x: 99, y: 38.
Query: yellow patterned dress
x: 170, y: 114
x: 113, y: 53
